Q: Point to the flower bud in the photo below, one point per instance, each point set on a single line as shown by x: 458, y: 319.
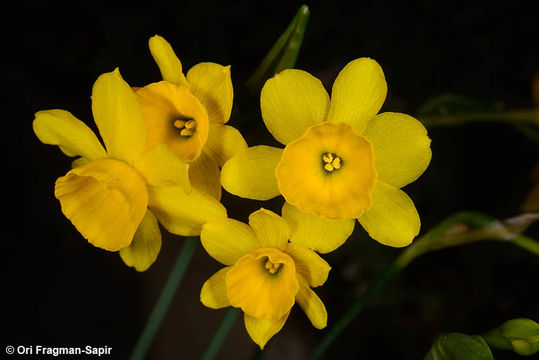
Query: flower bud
x: 520, y: 335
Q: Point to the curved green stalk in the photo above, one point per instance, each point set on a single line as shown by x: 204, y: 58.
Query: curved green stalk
x: 167, y: 294
x: 222, y: 332
x: 520, y: 116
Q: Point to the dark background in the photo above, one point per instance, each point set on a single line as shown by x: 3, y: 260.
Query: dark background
x: 60, y: 291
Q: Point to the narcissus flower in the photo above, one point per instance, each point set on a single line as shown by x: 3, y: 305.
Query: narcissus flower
x: 265, y: 274
x: 341, y: 160
x: 115, y: 195
x: 189, y: 113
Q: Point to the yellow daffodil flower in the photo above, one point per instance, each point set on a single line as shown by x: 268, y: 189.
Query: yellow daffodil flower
x: 189, y: 113
x: 342, y: 160
x: 115, y: 195
x: 265, y: 274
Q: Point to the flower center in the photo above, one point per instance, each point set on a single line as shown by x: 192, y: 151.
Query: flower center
x: 272, y: 267
x: 174, y: 117
x: 331, y: 162
x: 186, y: 126
x: 328, y: 172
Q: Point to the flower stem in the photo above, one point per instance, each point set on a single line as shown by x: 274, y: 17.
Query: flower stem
x: 167, y: 294
x: 220, y: 335
x: 527, y: 243
x: 518, y: 116
x: 354, y: 310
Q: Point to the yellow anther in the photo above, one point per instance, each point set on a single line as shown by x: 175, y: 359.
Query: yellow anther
x: 186, y: 126
x: 186, y: 132
x: 271, y: 267
x: 331, y: 161
x: 179, y: 124
x: 191, y: 124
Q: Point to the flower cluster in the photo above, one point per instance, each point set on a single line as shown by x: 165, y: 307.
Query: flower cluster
x: 166, y: 153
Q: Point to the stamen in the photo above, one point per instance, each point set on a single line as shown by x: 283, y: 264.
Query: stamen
x: 331, y: 162
x: 327, y: 157
x: 186, y: 132
x: 186, y: 126
x: 190, y: 124
x: 271, y: 267
x: 179, y: 124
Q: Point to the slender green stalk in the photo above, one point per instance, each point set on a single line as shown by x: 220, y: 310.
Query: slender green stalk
x: 220, y: 335
x: 521, y: 116
x: 354, y: 310
x: 527, y: 243
x: 167, y: 294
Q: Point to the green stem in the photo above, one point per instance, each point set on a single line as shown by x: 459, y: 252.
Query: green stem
x: 220, y: 335
x: 354, y: 310
x: 167, y: 294
x: 527, y: 243
x: 521, y: 116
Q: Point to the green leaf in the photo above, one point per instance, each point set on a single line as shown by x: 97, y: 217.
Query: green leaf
x: 455, y: 346
x: 284, y: 53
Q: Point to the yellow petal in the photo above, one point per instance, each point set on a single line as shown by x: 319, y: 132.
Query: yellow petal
x: 166, y: 109
x: 401, y: 147
x: 143, y: 251
x: 251, y: 173
x: 259, y: 292
x: 271, y: 230
x: 205, y: 176
x: 311, y: 304
x: 212, y: 85
x: 223, y: 143
x: 118, y: 117
x: 291, y: 102
x: 161, y: 167
x: 358, y: 93
x: 261, y: 331
x: 227, y: 240
x: 213, y: 293
x: 183, y: 214
x: 314, y: 232
x: 309, y: 264
x: 167, y: 61
x: 392, y: 219
x: 59, y: 127
x: 334, y: 193
x: 105, y: 200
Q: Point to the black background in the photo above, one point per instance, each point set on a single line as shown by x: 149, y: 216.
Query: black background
x: 60, y: 291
